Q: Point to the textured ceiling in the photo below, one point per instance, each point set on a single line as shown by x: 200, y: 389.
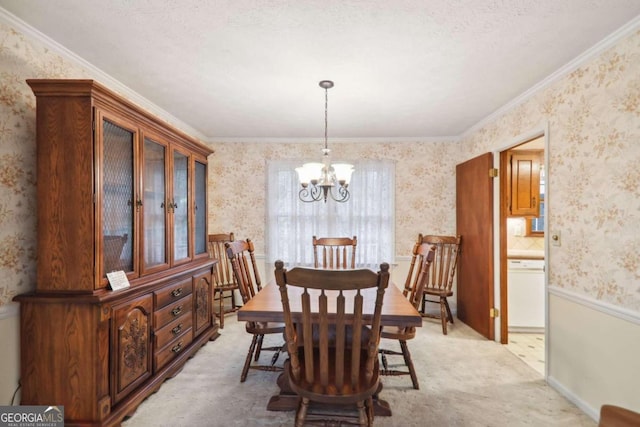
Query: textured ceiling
x: 250, y: 69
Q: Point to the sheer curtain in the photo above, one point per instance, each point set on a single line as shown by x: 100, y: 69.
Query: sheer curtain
x: 369, y: 214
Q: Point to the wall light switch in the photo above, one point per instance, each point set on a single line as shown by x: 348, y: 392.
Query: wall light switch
x: 555, y: 238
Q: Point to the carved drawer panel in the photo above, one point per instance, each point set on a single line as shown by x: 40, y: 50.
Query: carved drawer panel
x: 172, y: 330
x: 172, y: 350
x: 172, y: 311
x: 172, y: 293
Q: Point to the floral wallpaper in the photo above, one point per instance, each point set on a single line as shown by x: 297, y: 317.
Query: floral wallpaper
x: 20, y: 59
x: 425, y: 185
x: 593, y: 179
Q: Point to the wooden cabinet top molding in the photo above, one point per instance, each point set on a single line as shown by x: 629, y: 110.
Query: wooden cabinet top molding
x: 103, y: 95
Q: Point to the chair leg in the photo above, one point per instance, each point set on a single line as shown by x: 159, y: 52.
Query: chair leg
x: 383, y: 357
x: 301, y: 415
x: 221, y: 312
x: 370, y: 412
x: 233, y: 300
x: 259, y: 347
x: 247, y: 361
x: 407, y: 361
x: 443, y: 316
x: 446, y: 303
x: 362, y: 414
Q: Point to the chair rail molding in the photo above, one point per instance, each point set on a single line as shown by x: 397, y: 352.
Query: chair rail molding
x: 598, y: 305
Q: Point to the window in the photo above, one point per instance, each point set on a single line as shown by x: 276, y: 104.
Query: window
x: 369, y: 215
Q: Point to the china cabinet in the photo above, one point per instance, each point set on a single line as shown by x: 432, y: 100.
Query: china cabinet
x: 118, y: 191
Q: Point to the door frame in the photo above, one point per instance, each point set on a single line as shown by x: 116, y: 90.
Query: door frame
x: 500, y: 235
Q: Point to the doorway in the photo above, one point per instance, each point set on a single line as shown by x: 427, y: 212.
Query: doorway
x: 523, y: 248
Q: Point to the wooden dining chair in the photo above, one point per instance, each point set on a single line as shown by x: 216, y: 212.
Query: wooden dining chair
x: 334, y: 253
x: 223, y: 280
x: 617, y: 416
x: 418, y: 276
x: 245, y: 271
x: 443, y: 270
x: 332, y: 353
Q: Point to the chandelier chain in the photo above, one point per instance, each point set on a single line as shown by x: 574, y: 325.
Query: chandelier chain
x: 326, y: 114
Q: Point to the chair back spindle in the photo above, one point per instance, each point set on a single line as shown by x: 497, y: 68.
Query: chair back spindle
x: 334, y: 253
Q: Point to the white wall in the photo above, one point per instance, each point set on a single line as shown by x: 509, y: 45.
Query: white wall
x: 594, y: 356
x: 9, y: 354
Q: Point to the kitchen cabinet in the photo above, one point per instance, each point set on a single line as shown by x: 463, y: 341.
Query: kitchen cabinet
x: 118, y: 190
x: 523, y: 184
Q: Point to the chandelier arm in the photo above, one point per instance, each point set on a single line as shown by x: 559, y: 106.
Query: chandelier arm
x: 310, y: 194
x: 343, y: 194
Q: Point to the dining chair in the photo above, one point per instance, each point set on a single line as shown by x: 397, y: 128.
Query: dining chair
x: 617, y: 416
x: 223, y: 280
x: 334, y: 252
x: 418, y: 276
x: 443, y: 270
x: 245, y: 271
x: 333, y: 355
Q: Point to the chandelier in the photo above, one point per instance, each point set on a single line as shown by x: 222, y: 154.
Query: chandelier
x: 322, y: 180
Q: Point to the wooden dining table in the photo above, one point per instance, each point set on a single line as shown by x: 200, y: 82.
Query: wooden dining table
x: 266, y: 306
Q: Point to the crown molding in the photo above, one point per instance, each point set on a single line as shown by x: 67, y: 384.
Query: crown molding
x: 589, y: 54
x: 97, y: 74
x: 395, y: 140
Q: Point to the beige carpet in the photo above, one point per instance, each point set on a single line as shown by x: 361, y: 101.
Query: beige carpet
x: 465, y: 380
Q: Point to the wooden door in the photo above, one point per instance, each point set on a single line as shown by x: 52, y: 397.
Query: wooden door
x: 474, y: 222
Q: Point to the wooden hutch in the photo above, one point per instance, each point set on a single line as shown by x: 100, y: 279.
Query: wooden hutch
x: 118, y: 191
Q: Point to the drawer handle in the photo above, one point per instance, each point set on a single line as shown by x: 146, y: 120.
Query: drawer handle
x: 176, y: 311
x: 177, y: 348
x: 176, y: 292
x: 177, y: 329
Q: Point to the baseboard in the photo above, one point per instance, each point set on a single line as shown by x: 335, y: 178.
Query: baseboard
x: 584, y: 406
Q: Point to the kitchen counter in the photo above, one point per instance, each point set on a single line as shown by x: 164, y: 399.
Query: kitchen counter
x: 525, y: 254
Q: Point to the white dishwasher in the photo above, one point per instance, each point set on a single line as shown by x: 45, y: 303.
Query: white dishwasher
x: 525, y: 295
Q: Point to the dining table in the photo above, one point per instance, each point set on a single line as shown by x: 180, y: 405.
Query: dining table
x: 266, y: 306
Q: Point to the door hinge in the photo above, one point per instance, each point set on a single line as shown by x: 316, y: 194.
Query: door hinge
x: 494, y: 312
x: 493, y: 172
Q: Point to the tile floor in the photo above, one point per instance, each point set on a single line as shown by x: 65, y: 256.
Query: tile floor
x: 529, y: 347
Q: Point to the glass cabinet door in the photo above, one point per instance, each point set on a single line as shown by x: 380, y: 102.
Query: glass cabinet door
x: 180, y: 206
x: 154, y: 220
x: 200, y: 208
x: 118, y: 200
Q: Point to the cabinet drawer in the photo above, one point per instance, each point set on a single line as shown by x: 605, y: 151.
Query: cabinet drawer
x: 172, y: 293
x: 179, y: 308
x: 172, y: 350
x: 172, y: 330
